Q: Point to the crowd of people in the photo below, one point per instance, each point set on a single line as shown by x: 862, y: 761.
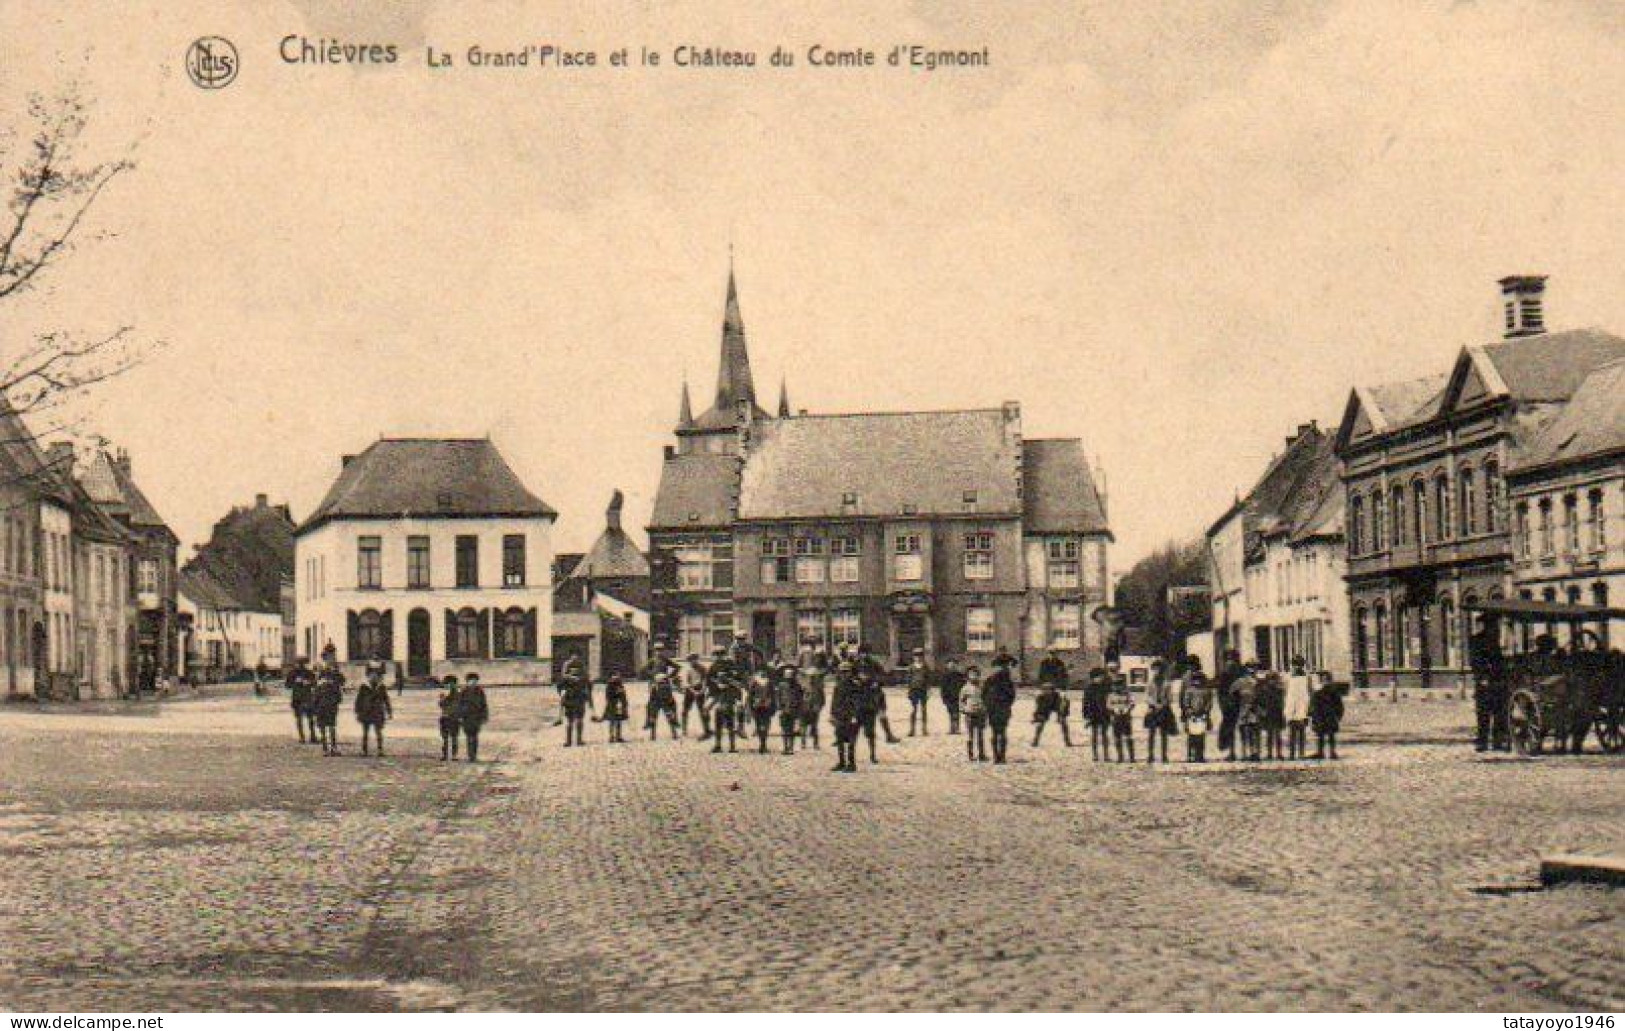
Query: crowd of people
x: 781, y: 703
x: 1255, y: 714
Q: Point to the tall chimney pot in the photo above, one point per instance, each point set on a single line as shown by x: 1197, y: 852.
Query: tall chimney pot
x: 1522, y: 306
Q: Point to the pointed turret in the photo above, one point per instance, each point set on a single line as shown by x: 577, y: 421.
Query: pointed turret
x: 734, y: 383
x: 685, y: 413
x: 784, y: 400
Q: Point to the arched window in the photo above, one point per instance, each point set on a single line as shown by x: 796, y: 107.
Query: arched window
x: 516, y: 633
x: 467, y: 634
x: 1379, y: 520
x: 1397, y: 507
x: 1356, y: 525
x: 1379, y: 635
x: 1492, y: 497
x: 1442, y: 528
x: 1419, y: 509
x: 1467, y: 487
x: 370, y: 635
x: 1362, y: 638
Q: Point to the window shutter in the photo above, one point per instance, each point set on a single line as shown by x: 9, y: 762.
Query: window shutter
x: 386, y: 635
x: 352, y: 635
x: 530, y: 633
x: 451, y: 634
x: 485, y: 634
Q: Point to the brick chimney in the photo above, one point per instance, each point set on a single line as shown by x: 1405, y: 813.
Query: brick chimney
x: 1522, y: 306
x: 612, y: 515
x: 261, y: 500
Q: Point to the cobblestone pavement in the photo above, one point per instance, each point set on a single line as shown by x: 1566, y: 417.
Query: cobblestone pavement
x: 194, y: 857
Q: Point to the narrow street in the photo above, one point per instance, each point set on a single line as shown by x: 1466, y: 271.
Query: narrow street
x: 194, y: 856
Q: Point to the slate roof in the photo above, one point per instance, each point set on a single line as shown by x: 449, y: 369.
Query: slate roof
x: 1407, y: 401
x: 427, y: 478
x: 248, y: 553
x: 1591, y: 424
x: 1299, y: 495
x: 206, y: 592
x: 1058, y: 491
x: 696, y: 491
x: 612, y: 555
x: 802, y: 467
x: 1551, y: 366
x: 24, y: 461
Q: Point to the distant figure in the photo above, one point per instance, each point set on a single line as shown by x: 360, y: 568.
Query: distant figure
x: 727, y: 698
x: 971, y: 707
x: 1272, y: 712
x: 662, y: 703
x: 1489, y: 686
x: 1121, y: 704
x: 450, y: 718
x: 694, y: 696
x: 813, y: 698
x: 1050, y: 702
x: 788, y: 696
x: 953, y: 681
x: 762, y: 707
x: 999, y: 697
x: 328, y: 697
x: 615, y: 709
x: 1326, y: 716
x: 473, y: 712
x: 1246, y: 716
x: 261, y: 672
x: 919, y: 693
x: 1196, y: 710
x: 1295, y: 709
x: 845, y: 717
x: 1229, y: 706
x: 1097, y: 714
x: 302, y: 699
x: 575, y: 700
x: 1160, y: 723
x: 372, y: 708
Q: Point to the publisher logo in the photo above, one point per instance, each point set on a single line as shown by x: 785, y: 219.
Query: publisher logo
x: 212, y: 62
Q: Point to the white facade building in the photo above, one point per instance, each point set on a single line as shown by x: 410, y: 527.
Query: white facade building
x: 430, y: 554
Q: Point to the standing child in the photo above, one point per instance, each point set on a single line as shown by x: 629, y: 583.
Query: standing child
x: 1271, y: 714
x: 449, y: 724
x: 953, y: 681
x: 1326, y: 716
x: 576, y: 700
x: 1196, y: 707
x: 787, y: 699
x: 1121, y: 704
x: 615, y: 708
x: 761, y: 707
x: 1244, y: 691
x: 329, y: 696
x: 1097, y: 714
x: 919, y: 692
x: 473, y: 712
x: 975, y: 713
x: 845, y: 717
x: 662, y: 702
x: 812, y: 705
x: 1160, y: 724
x: 1295, y: 710
x: 1050, y: 701
x: 725, y: 704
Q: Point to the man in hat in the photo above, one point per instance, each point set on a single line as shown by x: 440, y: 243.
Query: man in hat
x: 372, y: 708
x: 694, y: 696
x: 1229, y: 702
x: 571, y: 670
x: 1050, y: 701
x: 846, y: 716
x: 999, y: 693
x: 873, y: 676
x: 450, y: 718
x: 814, y: 695
x: 727, y: 698
x: 328, y: 697
x: 301, y: 697
x: 1488, y: 664
x: 919, y: 692
x: 662, y: 701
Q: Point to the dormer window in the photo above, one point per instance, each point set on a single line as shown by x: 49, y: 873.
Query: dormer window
x: 968, y: 499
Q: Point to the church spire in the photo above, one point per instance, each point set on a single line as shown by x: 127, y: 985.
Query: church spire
x: 784, y: 399
x: 734, y: 382
x: 685, y: 414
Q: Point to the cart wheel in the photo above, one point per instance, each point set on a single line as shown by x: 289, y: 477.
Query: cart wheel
x: 1528, y: 732
x: 1611, y: 730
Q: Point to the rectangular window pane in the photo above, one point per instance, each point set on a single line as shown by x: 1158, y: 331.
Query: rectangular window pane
x: 843, y: 570
x: 907, y: 568
x: 979, y: 635
x: 809, y: 570
x: 1065, y: 626
x: 845, y: 627
x: 810, y: 628
x: 369, y: 563
x: 417, y: 562
x: 1063, y: 574
x: 513, y: 560
x: 468, y: 561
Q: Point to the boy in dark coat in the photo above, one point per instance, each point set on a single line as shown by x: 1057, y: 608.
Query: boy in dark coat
x: 761, y: 707
x: 325, y: 702
x: 1272, y: 714
x: 615, y: 709
x: 694, y: 696
x: 473, y: 712
x: 1097, y: 714
x: 372, y: 708
x: 999, y: 696
x: 1196, y: 709
x: 575, y: 699
x: 919, y: 693
x: 953, y: 679
x: 1050, y: 701
x: 787, y: 699
x: 662, y: 701
x: 845, y: 717
x: 727, y: 698
x: 450, y: 723
x: 1326, y: 716
x: 813, y: 697
x: 301, y: 698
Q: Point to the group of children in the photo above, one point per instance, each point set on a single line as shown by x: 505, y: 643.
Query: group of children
x: 317, y: 697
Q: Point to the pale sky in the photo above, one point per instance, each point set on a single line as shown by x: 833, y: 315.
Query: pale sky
x: 1175, y: 231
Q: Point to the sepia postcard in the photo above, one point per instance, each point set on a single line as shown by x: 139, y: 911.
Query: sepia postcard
x: 884, y: 508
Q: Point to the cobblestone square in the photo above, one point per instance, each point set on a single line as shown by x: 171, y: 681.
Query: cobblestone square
x: 194, y: 855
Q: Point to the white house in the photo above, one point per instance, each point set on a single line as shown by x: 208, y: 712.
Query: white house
x: 222, y: 632
x: 432, y: 554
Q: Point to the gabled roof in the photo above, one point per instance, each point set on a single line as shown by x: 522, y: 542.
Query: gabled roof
x: 427, y: 478
x: 1058, y: 490
x: 108, y: 482
x: 22, y: 462
x: 1386, y: 407
x: 803, y: 467
x: 204, y: 591
x: 613, y: 554
x: 1296, y: 497
x: 1591, y: 425
x: 696, y: 491
x: 1548, y: 366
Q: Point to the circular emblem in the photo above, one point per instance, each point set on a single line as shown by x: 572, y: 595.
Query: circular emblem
x: 212, y: 62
